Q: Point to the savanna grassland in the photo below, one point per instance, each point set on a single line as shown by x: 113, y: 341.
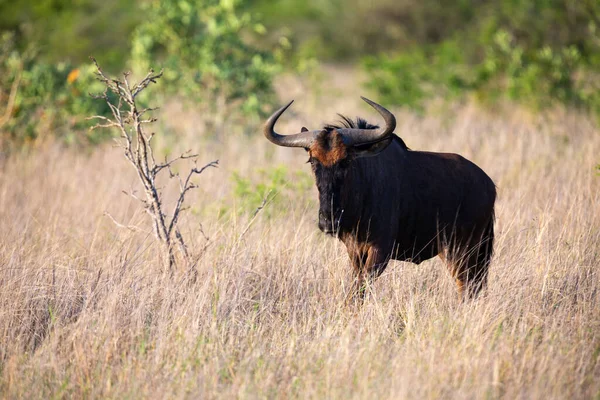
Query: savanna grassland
x: 86, y: 309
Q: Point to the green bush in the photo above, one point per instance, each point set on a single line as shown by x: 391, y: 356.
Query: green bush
x: 71, y: 31
x: 276, y: 186
x: 205, y: 48
x: 49, y: 99
x: 412, y: 77
x: 536, y: 53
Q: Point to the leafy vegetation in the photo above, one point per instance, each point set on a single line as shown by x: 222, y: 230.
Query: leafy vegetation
x: 201, y: 46
x: 205, y: 48
x: 70, y: 31
x: 276, y: 186
x: 44, y: 98
x: 535, y: 53
x: 222, y: 56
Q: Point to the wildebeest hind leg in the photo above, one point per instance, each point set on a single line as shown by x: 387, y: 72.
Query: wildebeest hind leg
x: 472, y: 273
x: 452, y: 261
x: 478, y: 275
x: 479, y: 262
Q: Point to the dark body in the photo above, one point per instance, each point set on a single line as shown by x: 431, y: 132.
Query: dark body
x: 411, y: 206
x: 385, y: 201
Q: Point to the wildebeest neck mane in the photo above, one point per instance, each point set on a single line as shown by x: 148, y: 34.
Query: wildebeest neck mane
x: 347, y: 122
x: 359, y: 123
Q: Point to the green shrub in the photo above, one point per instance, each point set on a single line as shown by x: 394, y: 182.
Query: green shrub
x: 411, y: 78
x: 71, y: 31
x: 537, y: 77
x: 275, y: 186
x: 205, y: 49
x: 536, y: 53
x: 49, y: 99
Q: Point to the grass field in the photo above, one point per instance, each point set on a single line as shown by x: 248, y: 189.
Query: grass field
x: 86, y: 310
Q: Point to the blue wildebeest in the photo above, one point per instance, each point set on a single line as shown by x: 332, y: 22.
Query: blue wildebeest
x: 385, y: 201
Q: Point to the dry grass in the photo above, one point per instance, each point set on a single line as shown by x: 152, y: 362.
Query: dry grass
x: 87, y: 312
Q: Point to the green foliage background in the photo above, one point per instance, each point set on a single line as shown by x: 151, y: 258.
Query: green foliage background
x: 222, y: 56
x: 537, y: 53
x: 277, y: 185
x: 201, y: 45
x: 72, y: 30
x: 40, y: 98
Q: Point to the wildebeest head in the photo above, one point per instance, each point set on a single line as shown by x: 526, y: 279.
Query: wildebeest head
x: 332, y: 151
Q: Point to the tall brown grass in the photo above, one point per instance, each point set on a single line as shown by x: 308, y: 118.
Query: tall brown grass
x: 86, y: 311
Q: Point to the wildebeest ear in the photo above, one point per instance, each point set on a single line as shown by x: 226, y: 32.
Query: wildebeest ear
x: 369, y: 150
x: 304, y: 129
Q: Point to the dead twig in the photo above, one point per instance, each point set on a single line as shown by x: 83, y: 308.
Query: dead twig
x: 117, y: 223
x: 10, y: 105
x: 129, y: 120
x: 266, y: 200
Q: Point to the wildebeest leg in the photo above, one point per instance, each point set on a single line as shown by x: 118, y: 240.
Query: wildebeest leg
x: 478, y: 261
x: 377, y: 262
x: 470, y: 272
x: 452, y: 261
x: 368, y: 265
x: 358, y: 258
x: 470, y: 265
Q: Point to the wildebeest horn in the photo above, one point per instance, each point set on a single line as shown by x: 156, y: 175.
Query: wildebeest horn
x: 302, y: 139
x: 364, y: 136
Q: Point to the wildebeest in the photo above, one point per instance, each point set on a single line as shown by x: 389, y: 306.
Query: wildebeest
x: 385, y: 201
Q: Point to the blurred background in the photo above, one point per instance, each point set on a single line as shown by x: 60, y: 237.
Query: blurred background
x: 87, y: 309
x: 227, y: 58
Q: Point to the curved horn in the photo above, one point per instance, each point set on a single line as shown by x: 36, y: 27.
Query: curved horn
x: 302, y: 139
x: 363, y: 136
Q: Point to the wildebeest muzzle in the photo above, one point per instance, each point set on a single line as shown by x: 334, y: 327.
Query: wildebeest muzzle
x: 329, y: 225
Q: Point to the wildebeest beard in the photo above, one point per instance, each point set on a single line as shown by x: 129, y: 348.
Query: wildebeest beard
x: 330, y: 181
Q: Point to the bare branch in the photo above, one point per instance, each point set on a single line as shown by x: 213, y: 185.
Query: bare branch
x: 266, y: 200
x: 130, y: 227
x: 12, y: 97
x: 149, y: 109
x: 136, y: 144
x: 100, y: 117
x: 214, y: 164
x: 184, y: 188
x: 134, y: 196
x: 150, y: 78
x: 168, y: 163
x: 201, y: 228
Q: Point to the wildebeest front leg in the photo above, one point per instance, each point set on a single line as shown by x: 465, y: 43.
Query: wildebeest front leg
x: 358, y: 259
x: 367, y: 265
